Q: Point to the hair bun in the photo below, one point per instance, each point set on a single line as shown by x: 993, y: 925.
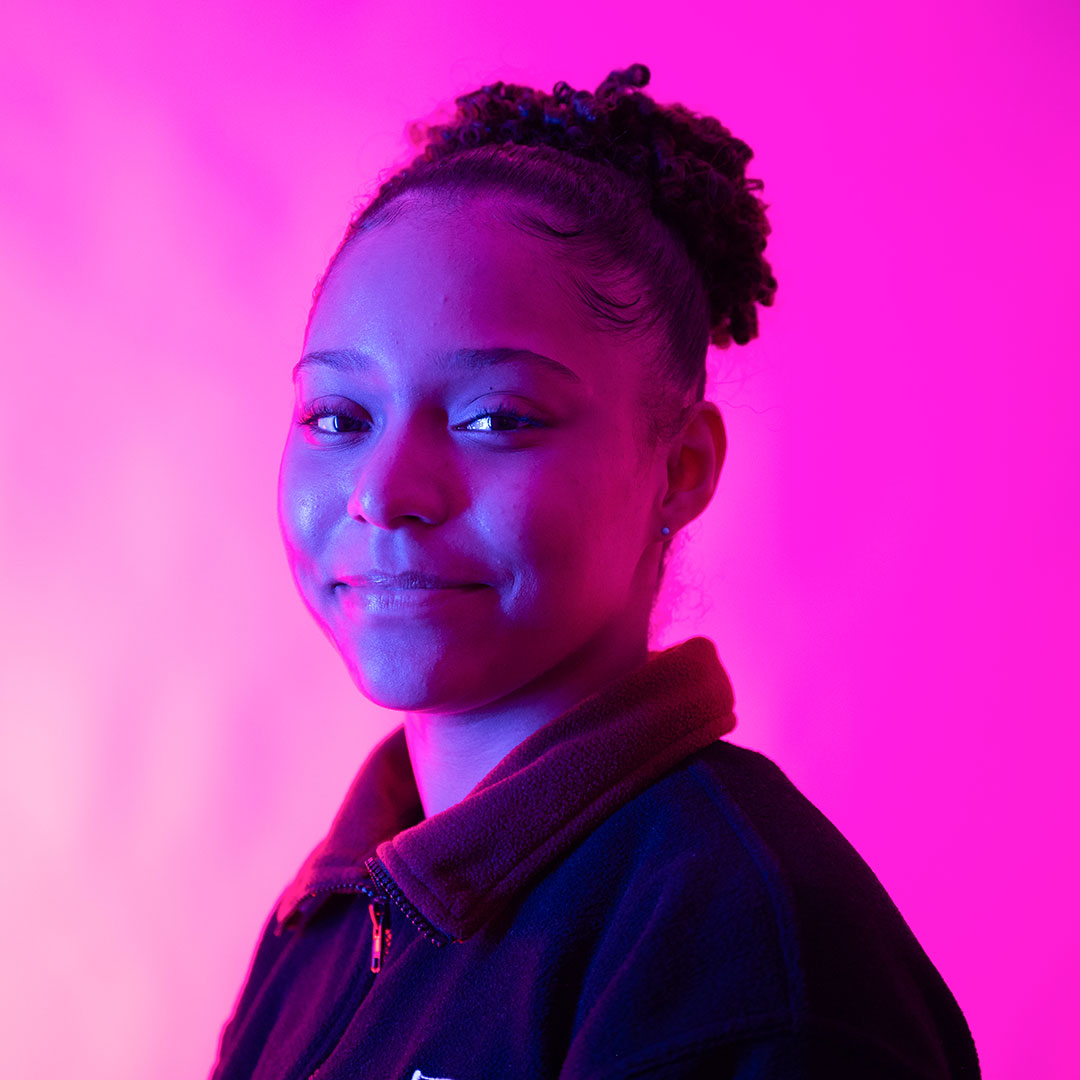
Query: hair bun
x: 693, y: 171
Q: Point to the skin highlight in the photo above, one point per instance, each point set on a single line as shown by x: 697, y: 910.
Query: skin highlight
x: 526, y: 489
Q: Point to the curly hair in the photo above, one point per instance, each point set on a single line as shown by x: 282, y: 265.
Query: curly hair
x: 641, y: 196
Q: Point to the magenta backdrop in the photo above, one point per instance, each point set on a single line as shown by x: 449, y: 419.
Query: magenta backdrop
x: 891, y: 557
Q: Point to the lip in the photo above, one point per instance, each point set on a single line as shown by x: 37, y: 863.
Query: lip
x: 384, y: 599
x: 409, y: 581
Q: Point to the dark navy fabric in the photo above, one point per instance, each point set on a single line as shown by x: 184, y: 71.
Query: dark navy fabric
x: 715, y: 924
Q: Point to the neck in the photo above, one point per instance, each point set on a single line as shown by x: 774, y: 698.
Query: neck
x: 452, y: 752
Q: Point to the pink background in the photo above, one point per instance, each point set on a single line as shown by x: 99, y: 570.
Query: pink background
x: 890, y: 560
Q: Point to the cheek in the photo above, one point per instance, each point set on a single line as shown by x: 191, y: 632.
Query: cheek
x: 611, y: 524
x: 524, y: 526
x: 566, y: 532
x: 308, y: 506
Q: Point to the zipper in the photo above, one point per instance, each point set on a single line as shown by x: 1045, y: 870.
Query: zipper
x: 341, y: 887
x: 377, y: 910
x: 386, y: 884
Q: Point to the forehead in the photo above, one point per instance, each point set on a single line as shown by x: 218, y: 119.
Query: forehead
x: 443, y: 276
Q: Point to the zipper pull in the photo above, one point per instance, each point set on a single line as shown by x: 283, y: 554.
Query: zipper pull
x: 377, y: 911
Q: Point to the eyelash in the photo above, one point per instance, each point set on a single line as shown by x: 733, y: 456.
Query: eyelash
x: 504, y: 410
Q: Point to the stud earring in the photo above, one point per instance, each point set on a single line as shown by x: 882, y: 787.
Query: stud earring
x: 665, y: 531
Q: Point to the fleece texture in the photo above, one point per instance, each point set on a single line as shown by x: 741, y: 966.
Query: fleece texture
x: 624, y: 894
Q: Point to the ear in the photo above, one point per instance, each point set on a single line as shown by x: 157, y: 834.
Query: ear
x: 693, y: 466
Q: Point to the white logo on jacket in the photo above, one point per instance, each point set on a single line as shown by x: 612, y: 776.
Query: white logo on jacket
x: 418, y: 1075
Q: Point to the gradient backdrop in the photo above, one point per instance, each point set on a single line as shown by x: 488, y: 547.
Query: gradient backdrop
x: 888, y: 570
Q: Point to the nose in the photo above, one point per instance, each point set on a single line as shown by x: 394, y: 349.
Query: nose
x: 406, y: 475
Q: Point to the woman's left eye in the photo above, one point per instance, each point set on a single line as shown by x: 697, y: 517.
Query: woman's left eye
x: 497, y: 420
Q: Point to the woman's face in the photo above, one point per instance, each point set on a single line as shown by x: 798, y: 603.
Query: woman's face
x: 464, y: 495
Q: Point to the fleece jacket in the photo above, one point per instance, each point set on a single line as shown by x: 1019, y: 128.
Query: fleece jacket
x: 625, y: 894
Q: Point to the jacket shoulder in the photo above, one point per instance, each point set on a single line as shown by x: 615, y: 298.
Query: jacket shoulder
x: 736, y: 816
x: 728, y: 817
x: 750, y: 916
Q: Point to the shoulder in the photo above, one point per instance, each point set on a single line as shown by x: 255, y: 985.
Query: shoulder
x: 744, y: 853
x: 748, y: 915
x: 728, y: 818
x: 742, y: 869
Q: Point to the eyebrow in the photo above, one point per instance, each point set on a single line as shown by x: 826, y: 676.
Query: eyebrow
x: 475, y: 359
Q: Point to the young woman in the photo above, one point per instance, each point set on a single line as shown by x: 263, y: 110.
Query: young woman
x: 555, y: 867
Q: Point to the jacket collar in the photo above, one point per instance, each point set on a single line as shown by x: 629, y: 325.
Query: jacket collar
x: 460, y: 867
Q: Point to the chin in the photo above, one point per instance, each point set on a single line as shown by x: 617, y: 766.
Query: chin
x: 408, y: 682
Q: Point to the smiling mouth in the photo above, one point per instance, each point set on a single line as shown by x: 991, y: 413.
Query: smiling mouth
x: 388, y: 599
x: 407, y: 582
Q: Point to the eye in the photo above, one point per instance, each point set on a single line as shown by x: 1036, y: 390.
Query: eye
x: 502, y: 419
x: 330, y: 420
